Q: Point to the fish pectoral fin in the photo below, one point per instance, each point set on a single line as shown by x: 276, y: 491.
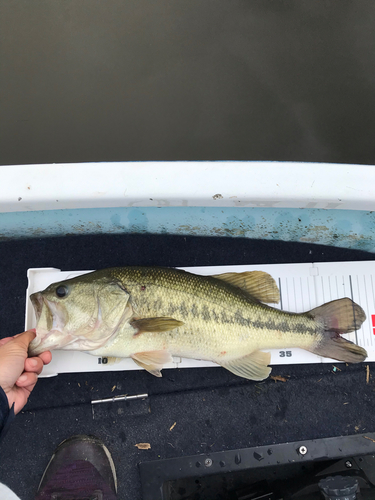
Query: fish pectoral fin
x: 152, y: 361
x: 155, y: 325
x: 253, y: 366
x: 258, y: 284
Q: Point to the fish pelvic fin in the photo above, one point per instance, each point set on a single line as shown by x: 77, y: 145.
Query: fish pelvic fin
x: 258, y: 284
x: 112, y: 360
x: 152, y: 361
x: 339, y: 316
x: 155, y: 325
x: 252, y: 366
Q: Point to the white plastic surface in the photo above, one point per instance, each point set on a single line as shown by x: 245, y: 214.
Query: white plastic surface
x: 302, y: 287
x: 175, y: 184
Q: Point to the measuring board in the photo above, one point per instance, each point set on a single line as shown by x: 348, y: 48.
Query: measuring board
x: 302, y: 287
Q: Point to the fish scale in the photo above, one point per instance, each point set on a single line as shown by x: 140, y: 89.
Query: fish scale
x: 203, y: 332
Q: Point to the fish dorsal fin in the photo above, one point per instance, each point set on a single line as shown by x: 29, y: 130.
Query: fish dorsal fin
x: 253, y: 366
x: 156, y: 325
x: 152, y: 361
x: 258, y: 284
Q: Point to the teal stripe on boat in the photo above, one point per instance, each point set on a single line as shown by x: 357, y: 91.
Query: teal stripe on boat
x: 341, y: 228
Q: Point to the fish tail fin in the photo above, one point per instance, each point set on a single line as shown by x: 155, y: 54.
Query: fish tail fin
x: 336, y: 317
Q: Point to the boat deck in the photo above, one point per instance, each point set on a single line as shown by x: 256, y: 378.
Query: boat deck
x: 188, y: 411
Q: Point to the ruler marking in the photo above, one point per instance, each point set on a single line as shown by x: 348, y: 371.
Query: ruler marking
x: 369, y: 325
x: 351, y: 293
x: 373, y: 295
x: 281, y: 295
x: 295, y: 297
x: 308, y: 290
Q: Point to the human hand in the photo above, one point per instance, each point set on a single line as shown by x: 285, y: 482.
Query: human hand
x: 18, y: 372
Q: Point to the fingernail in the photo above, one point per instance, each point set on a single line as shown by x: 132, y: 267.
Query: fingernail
x: 22, y: 378
x: 33, y: 362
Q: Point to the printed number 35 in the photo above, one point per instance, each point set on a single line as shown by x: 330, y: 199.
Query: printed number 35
x: 288, y: 354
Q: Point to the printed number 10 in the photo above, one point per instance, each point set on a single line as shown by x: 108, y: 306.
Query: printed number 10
x: 288, y: 354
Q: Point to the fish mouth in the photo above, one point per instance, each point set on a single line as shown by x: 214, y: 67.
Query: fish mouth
x: 49, y: 326
x: 52, y: 332
x: 37, y: 302
x: 48, y: 342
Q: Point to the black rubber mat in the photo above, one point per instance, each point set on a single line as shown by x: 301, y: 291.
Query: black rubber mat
x: 212, y: 409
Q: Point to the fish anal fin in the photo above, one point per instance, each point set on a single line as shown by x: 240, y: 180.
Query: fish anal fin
x: 252, y: 366
x: 258, y: 284
x: 152, y: 361
x: 155, y: 325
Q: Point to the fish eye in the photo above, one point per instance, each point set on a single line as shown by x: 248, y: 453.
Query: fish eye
x: 62, y: 291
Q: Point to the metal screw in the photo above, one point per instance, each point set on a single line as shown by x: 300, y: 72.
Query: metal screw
x: 208, y: 462
x: 348, y: 464
x: 302, y: 450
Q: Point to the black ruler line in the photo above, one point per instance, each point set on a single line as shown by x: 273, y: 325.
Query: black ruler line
x: 281, y: 295
x: 351, y: 293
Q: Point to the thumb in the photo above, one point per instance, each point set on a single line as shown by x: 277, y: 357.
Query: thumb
x: 24, y: 339
x: 5, y: 340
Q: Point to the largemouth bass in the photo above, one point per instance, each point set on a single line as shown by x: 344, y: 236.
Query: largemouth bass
x: 151, y: 314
